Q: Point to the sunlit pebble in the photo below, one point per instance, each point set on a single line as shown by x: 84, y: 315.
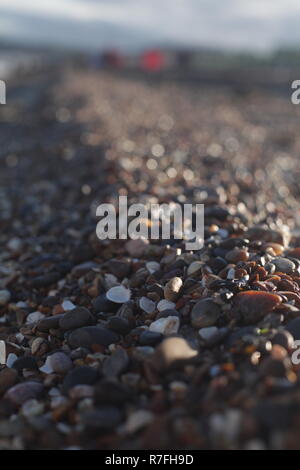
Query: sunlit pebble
x: 86, y: 189
x: 214, y: 150
x: 63, y: 115
x: 171, y: 172
x: 157, y: 150
x: 128, y: 146
x: 12, y: 161
x: 165, y: 122
x: 152, y: 164
x: 188, y: 175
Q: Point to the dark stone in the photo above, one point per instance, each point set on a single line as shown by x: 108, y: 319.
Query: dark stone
x: 119, y: 325
x: 109, y: 392
x: 150, y: 338
x: 76, y: 318
x: 102, y: 419
x: 293, y: 327
x: 78, y: 376
x: 26, y: 362
x: 49, y: 323
x: 88, y: 336
x: 103, y: 304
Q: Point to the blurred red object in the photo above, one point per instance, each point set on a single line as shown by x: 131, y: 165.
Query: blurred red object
x: 153, y: 60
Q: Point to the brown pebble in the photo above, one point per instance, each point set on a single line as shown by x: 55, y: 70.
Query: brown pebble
x: 254, y: 305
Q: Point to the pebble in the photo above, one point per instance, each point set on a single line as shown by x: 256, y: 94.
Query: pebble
x: 4, y: 297
x: 25, y: 362
x: 165, y: 304
x: 293, y: 327
x: 166, y: 326
x: 254, y: 305
x: 11, y: 359
x: 88, y: 336
x: 205, y: 313
x: 60, y: 362
x: 104, y: 418
x: 236, y: 255
x: 103, y: 304
x: 80, y: 375
x: 152, y: 266
x: 194, y: 267
x: 172, y: 289
x: 170, y: 352
x: 79, y: 316
x: 34, y: 317
x: 32, y: 407
x: 138, y: 420
x: 115, y: 364
x: 81, y: 391
x: 118, y: 325
x: 284, y: 265
x: 150, y: 338
x: 208, y: 333
x: 48, y: 323
x: 118, y: 294
x: 2, y: 352
x: 24, y: 391
x: 8, y: 378
x: 68, y: 305
x: 147, y: 305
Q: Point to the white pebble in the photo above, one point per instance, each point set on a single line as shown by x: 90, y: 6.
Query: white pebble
x: 165, y: 305
x: 118, y: 294
x: 68, y: 305
x: 147, y: 305
x: 34, y: 317
x: 194, y: 267
x: 166, y: 326
x: 137, y: 420
x: 47, y: 367
x: 152, y: 266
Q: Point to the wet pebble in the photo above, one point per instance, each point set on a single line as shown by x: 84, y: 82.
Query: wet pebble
x: 284, y: 265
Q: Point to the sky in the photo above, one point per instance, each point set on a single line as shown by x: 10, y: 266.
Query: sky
x: 259, y: 25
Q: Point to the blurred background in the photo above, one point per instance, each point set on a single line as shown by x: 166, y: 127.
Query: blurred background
x: 200, y: 39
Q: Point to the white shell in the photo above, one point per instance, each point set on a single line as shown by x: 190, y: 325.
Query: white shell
x: 68, y: 305
x: 147, y: 305
x: 166, y: 326
x: 118, y: 294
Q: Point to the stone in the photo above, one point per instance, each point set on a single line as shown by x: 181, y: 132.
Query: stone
x: 205, y: 313
x: 118, y: 325
x: 102, y: 419
x: 138, y: 420
x: 25, y: 362
x: 24, y: 391
x: 103, y: 304
x: 166, y: 326
x: 79, y: 316
x: 80, y: 375
x: 172, y: 289
x: 171, y: 352
x: 209, y: 333
x: 150, y: 338
x: 293, y: 327
x: 8, y: 378
x: 254, y: 305
x: 284, y: 265
x: 147, y: 305
x: 49, y: 323
x: 118, y: 294
x: 4, y: 297
x: 165, y: 304
x: 115, y: 364
x: 60, y: 362
x: 88, y: 336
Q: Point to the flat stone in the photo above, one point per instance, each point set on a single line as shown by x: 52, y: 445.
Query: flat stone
x: 60, y: 362
x: 284, y: 265
x: 76, y: 318
x: 80, y: 375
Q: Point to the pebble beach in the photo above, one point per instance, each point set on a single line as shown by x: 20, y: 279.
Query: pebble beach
x: 141, y: 344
